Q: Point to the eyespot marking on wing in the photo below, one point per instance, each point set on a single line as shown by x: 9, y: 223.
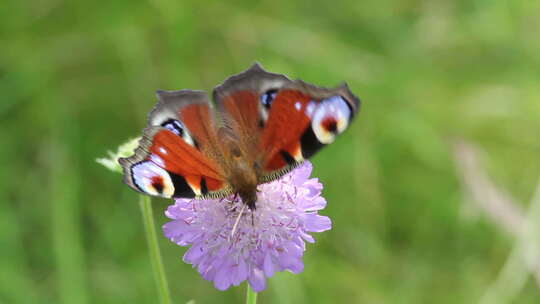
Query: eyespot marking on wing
x: 329, y: 124
x: 330, y: 118
x: 157, y: 184
x: 266, y: 103
x: 267, y: 97
x: 178, y: 128
x: 152, y: 179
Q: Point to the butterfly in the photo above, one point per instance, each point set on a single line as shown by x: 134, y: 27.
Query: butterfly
x: 260, y: 126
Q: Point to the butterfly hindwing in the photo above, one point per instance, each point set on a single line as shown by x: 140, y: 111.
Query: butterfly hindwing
x: 178, y: 155
x: 303, y: 119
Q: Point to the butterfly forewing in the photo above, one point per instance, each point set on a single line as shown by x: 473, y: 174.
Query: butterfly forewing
x: 179, y: 155
x: 243, y: 101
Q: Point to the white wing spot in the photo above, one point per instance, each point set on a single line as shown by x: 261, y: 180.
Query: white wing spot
x: 298, y: 105
x: 310, y: 108
x: 158, y: 160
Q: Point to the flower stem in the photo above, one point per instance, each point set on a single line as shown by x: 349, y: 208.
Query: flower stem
x: 251, y: 295
x: 153, y: 249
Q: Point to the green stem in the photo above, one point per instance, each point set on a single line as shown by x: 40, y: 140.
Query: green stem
x: 251, y: 296
x: 153, y: 248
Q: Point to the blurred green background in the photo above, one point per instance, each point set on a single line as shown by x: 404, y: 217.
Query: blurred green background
x: 78, y: 78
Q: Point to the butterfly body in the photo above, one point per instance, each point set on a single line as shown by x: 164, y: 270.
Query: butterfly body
x: 263, y: 125
x: 243, y: 173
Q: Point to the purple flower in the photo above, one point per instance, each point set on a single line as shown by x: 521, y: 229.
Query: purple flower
x: 265, y: 241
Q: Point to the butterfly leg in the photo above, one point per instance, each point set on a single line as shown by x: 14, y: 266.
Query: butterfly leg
x: 237, y: 221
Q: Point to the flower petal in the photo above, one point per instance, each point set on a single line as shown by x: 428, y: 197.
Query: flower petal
x: 194, y: 254
x: 257, y: 280
x: 222, y: 281
x: 317, y: 223
x: 302, y: 173
x: 268, y: 265
x: 241, y: 272
x: 315, y: 204
x: 295, y: 265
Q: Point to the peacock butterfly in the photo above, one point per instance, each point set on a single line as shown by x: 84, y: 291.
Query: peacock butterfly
x: 262, y: 126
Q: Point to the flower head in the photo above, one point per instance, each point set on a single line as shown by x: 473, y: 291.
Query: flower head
x: 263, y: 241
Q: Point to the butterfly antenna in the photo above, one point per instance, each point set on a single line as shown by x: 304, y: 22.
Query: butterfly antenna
x: 237, y: 220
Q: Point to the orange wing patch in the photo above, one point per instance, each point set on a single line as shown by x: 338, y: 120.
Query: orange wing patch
x: 287, y: 121
x: 181, y: 158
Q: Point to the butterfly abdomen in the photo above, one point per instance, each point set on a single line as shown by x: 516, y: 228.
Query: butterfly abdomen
x: 243, y: 180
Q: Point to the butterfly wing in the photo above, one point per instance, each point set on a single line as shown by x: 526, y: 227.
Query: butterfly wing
x: 282, y: 122
x: 303, y: 118
x: 178, y: 155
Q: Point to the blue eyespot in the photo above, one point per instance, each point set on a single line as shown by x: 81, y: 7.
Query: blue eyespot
x: 268, y: 97
x: 178, y: 128
x: 175, y: 126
